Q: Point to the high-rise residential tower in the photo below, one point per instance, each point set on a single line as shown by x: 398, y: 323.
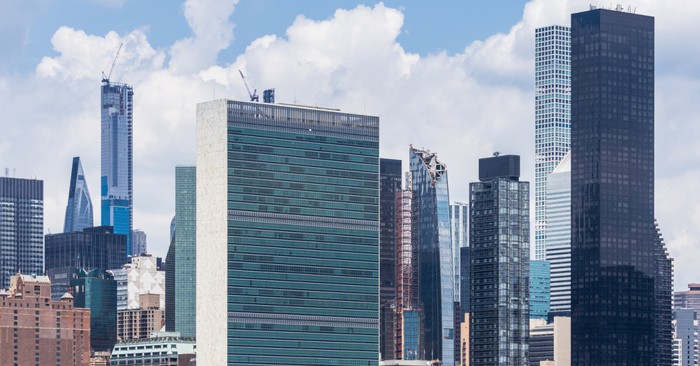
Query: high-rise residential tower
x: 287, y: 235
x: 558, y: 240
x: 79, y: 208
x: 116, y: 184
x: 433, y: 239
x: 552, y: 116
x: 184, y: 254
x: 499, y: 238
x: 21, y: 228
x: 389, y: 187
x: 615, y: 261
x: 459, y: 221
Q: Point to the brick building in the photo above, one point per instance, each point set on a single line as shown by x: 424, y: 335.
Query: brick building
x: 35, y: 330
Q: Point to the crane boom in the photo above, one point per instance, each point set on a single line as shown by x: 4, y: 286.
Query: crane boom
x: 253, y: 96
x: 105, y: 78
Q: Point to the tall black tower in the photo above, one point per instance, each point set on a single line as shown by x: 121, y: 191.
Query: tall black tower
x: 612, y: 189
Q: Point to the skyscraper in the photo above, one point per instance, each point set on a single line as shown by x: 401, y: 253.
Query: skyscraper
x: 539, y: 289
x: 558, y: 240
x: 139, y: 245
x: 287, y: 235
x: 116, y: 183
x: 96, y: 290
x: 433, y: 239
x: 459, y: 218
x: 79, y: 208
x: 614, y: 255
x: 663, y: 307
x: 22, y: 227
x: 499, y: 239
x: 408, y: 314
x: 91, y: 248
x: 389, y: 187
x: 552, y: 116
x: 185, y: 251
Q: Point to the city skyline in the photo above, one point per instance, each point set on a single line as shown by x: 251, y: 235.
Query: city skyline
x: 490, y: 126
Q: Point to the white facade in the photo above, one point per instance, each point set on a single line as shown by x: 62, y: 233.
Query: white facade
x: 139, y: 277
x: 552, y: 115
x: 459, y: 217
x: 212, y: 149
x: 558, y: 241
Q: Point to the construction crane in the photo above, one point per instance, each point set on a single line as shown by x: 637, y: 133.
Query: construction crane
x: 253, y: 96
x: 105, y: 78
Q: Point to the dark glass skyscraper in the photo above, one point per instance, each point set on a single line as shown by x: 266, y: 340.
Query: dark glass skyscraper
x: 116, y: 184
x: 79, y: 208
x: 21, y: 227
x: 614, y: 265
x: 499, y: 239
x: 389, y: 187
x: 287, y: 235
x: 95, y: 247
x: 432, y: 238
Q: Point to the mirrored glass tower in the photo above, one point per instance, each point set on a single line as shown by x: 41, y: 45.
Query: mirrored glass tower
x: 433, y: 239
x: 79, y: 208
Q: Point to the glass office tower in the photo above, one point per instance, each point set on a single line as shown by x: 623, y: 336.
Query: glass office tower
x: 79, y: 208
x: 613, y: 267
x: 94, y: 247
x: 558, y: 240
x: 21, y: 228
x: 499, y: 238
x: 539, y: 289
x: 184, y: 254
x: 287, y: 234
x: 116, y: 183
x: 433, y: 239
x: 97, y: 290
x: 552, y: 116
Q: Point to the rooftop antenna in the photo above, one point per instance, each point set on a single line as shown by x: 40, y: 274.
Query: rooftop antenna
x: 105, y: 78
x: 253, y: 96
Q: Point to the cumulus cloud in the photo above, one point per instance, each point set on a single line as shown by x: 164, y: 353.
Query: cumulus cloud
x: 212, y: 32
x: 463, y: 106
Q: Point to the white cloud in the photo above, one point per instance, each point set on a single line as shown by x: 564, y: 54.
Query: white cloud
x: 213, y: 32
x: 464, y: 106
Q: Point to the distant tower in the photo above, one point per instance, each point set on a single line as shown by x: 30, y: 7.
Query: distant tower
x: 79, y: 208
x: 552, y: 115
x: 117, y: 158
x: 558, y: 240
x: 389, y: 187
x: 21, y: 228
x: 184, y: 254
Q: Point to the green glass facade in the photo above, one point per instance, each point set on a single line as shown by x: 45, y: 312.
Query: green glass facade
x: 97, y: 290
x: 185, y: 265
x: 302, y: 235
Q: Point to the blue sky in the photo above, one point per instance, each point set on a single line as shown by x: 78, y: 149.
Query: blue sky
x: 384, y: 59
x: 429, y: 27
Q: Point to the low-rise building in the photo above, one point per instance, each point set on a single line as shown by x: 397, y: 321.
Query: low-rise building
x: 163, y: 349
x: 550, y: 342
x: 35, y: 330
